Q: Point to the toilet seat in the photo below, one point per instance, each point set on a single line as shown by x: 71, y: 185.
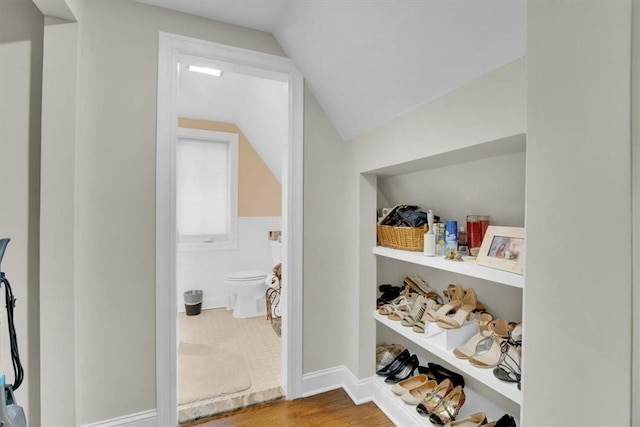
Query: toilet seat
x: 245, y: 276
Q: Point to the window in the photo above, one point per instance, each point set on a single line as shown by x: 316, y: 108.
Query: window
x: 206, y: 189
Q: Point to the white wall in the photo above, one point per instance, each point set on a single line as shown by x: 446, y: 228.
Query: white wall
x: 21, y: 32
x: 493, y: 186
x: 205, y: 270
x: 325, y: 229
x: 57, y: 283
x: 577, y: 299
x: 114, y: 229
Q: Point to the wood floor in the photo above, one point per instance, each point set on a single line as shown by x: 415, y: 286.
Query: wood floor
x: 333, y: 408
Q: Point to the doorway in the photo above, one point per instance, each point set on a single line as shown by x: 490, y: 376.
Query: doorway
x: 172, y: 50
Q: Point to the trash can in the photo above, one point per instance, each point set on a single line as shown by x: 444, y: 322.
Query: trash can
x: 193, y: 302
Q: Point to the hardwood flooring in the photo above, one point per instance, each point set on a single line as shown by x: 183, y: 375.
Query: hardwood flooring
x: 333, y: 408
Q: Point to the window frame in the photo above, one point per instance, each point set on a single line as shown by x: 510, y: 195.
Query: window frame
x: 204, y: 242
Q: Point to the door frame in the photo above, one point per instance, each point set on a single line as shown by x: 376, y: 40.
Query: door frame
x: 171, y: 47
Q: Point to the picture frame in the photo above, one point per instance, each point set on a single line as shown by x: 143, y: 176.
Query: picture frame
x: 503, y: 248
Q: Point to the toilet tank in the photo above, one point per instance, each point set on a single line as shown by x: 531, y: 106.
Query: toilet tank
x: 276, y: 252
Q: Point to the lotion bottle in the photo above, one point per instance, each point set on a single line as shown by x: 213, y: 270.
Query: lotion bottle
x: 430, y: 237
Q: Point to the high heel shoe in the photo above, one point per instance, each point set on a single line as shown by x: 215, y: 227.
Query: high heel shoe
x: 435, y: 397
x: 508, y: 368
x: 438, y: 373
x: 405, y: 371
x: 455, y: 293
x: 505, y: 421
x: 476, y: 420
x: 448, y: 409
x: 500, y: 332
x: 431, y: 304
x: 395, y: 364
x: 417, y: 395
x: 404, y: 386
x: 416, y: 314
x: 470, y: 348
x: 467, y: 305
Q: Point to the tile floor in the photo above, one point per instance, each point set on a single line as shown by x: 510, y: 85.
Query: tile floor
x: 254, y: 338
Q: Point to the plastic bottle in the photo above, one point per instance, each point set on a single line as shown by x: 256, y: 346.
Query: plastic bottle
x: 430, y: 237
x: 451, y: 235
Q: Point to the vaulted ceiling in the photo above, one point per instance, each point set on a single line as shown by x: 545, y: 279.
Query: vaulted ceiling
x: 368, y: 61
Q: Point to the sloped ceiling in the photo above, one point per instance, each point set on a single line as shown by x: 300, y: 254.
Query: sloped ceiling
x: 259, y: 107
x: 368, y: 61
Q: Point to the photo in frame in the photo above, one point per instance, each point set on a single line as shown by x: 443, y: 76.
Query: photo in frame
x: 503, y: 248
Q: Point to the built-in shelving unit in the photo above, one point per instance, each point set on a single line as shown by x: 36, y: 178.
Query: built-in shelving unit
x: 467, y: 267
x: 447, y: 183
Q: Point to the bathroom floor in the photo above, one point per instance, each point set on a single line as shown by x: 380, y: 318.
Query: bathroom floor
x: 249, y: 347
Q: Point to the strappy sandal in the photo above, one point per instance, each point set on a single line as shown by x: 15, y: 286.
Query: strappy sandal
x: 421, y: 325
x: 419, y: 308
x: 435, y: 397
x: 508, y: 369
x: 418, y: 284
x: 455, y: 294
x: 449, y: 408
x: 467, y: 305
x: 500, y: 329
x: 404, y: 309
x: 470, y: 348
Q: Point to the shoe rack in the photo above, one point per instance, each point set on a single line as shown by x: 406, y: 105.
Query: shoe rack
x: 484, y: 391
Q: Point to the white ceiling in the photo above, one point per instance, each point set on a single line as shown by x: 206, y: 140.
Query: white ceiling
x: 368, y: 61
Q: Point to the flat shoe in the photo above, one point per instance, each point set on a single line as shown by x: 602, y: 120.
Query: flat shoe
x: 417, y: 395
x: 413, y: 382
x: 476, y: 420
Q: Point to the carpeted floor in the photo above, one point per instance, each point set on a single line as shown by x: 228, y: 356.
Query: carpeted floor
x: 251, y: 349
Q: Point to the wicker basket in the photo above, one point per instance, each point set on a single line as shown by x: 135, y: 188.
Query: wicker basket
x: 405, y: 238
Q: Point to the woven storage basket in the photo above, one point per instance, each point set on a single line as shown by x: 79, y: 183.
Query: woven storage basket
x: 405, y: 238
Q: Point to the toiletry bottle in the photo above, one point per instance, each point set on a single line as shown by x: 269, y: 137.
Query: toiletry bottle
x: 430, y: 237
x: 451, y: 235
x: 463, y: 248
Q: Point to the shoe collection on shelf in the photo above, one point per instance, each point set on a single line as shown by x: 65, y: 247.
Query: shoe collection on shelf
x: 437, y: 392
x: 480, y: 340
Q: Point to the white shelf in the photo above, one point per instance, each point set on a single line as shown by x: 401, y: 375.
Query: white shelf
x: 485, y: 376
x: 403, y: 414
x: 467, y: 267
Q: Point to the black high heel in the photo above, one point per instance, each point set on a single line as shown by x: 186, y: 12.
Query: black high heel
x: 505, y: 421
x: 438, y: 373
x: 395, y: 364
x: 405, y: 372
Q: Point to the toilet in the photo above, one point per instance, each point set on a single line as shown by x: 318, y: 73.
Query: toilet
x: 246, y: 289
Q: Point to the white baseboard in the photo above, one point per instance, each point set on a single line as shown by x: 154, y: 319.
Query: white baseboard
x: 141, y: 419
x: 361, y: 391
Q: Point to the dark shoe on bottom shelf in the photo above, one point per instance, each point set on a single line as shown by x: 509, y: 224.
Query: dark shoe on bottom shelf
x: 438, y: 373
x: 405, y: 371
x: 505, y: 421
x: 395, y: 364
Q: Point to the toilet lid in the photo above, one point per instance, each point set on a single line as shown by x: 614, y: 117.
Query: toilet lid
x: 246, y: 275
